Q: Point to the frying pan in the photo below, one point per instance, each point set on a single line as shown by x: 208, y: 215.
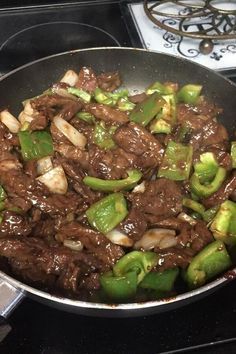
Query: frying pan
x: 138, y: 69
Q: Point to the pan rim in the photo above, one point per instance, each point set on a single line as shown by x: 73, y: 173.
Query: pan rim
x: 27, y: 289
x: 75, y: 51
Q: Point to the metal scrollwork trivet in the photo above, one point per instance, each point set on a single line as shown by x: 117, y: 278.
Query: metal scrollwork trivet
x: 210, y: 20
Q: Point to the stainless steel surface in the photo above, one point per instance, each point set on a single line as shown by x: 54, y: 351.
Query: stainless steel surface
x: 10, y: 297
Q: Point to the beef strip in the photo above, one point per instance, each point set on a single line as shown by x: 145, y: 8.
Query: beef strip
x: 136, y: 140
x: 194, y: 116
x: 138, y: 97
x: 161, y: 199
x: 212, y: 133
x: 173, y: 257
x: 109, y: 81
x: 14, y: 224
x: 134, y: 225
x: 109, y: 164
x: 94, y: 242
x: 32, y: 254
x: 48, y: 106
x: 107, y: 113
x: 16, y: 183
x: 191, y: 240
x: 76, y: 175
x: 87, y: 79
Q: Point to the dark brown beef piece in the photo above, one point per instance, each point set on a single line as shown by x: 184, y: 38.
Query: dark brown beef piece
x: 5, y: 143
x: 109, y: 81
x: 16, y: 183
x: 212, y: 133
x: 134, y: 225
x: 14, y: 224
x: 8, y: 162
x: 30, y: 168
x: 76, y: 175
x: 48, y: 106
x: 223, y: 193
x: 90, y: 282
x: 137, y: 140
x: 18, y: 202
x: 138, y: 98
x: 161, y: 199
x: 110, y: 164
x: 32, y: 254
x: 193, y: 116
x: 83, y: 128
x: 97, y: 162
x: 87, y: 79
x: 57, y: 136
x: 44, y: 228
x: 193, y: 237
x: 73, y: 153
x: 173, y: 257
x: 94, y: 242
x: 107, y: 113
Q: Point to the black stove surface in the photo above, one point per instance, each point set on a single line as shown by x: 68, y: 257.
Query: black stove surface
x: 29, y: 33
x: 207, y: 326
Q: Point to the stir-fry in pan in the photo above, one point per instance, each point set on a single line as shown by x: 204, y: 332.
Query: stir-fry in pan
x: 113, y: 196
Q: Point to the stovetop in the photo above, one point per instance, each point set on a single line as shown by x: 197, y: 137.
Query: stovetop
x: 33, y: 29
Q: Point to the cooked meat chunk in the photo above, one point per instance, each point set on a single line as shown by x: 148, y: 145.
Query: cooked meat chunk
x: 48, y: 106
x: 14, y: 224
x: 134, y: 225
x: 161, y: 199
x: 107, y: 113
x: 109, y: 81
x: 138, y: 97
x: 87, y: 79
x: 211, y: 133
x: 137, y: 140
x: 94, y: 242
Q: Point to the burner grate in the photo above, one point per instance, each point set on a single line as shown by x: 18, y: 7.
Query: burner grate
x: 217, y: 19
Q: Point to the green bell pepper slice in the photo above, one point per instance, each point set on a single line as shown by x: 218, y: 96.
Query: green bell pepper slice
x: 195, y: 206
x: 177, y: 162
x: 107, y: 213
x: 3, y: 194
x: 85, y: 96
x: 125, y: 105
x: 109, y: 98
x: 120, y: 288
x: 115, y: 185
x: 160, y: 125
x: 189, y: 93
x: 159, y: 88
x: 223, y: 225
x: 102, y: 136
x: 233, y: 153
x: 163, y: 282
x: 208, y: 263
x: 86, y: 117
x: 146, y: 110
x: 136, y: 261
x: 205, y: 190
x: 209, y: 214
x: 35, y: 145
x: 207, y: 167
